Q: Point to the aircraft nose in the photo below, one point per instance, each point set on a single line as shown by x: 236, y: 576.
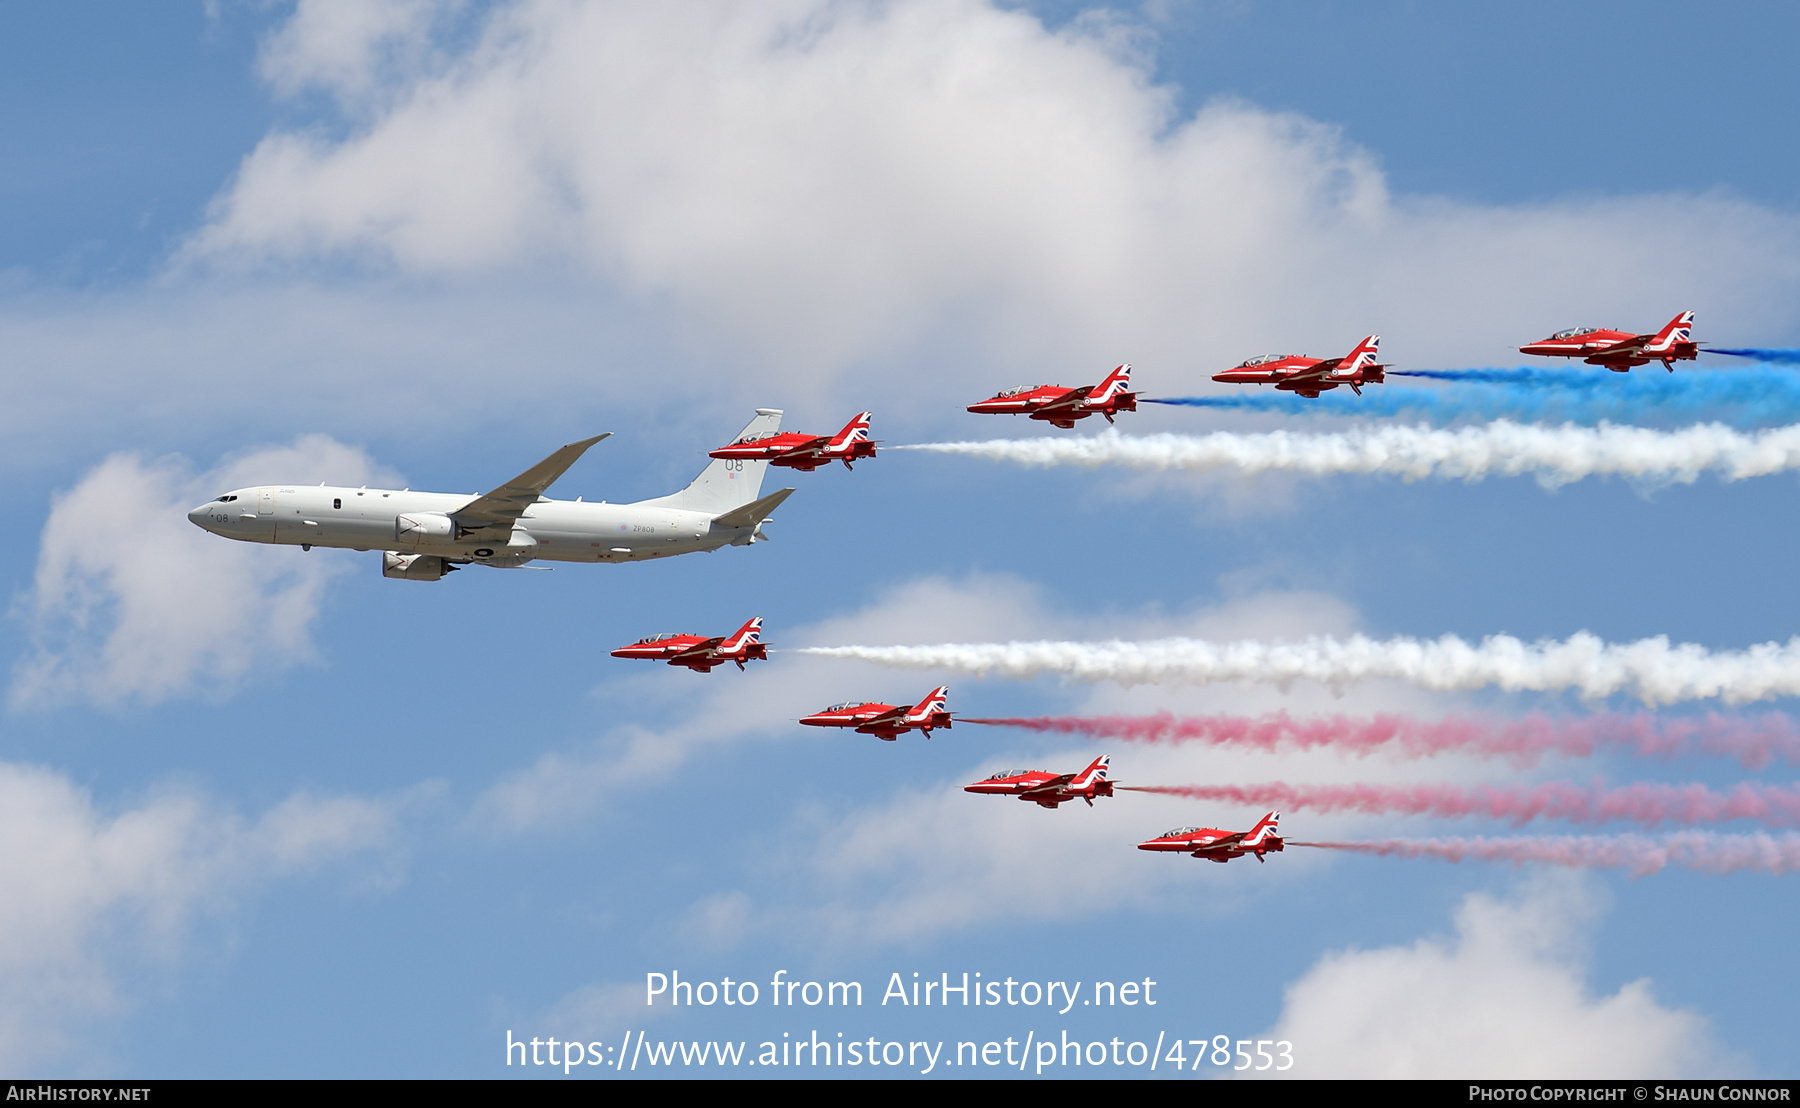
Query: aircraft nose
x: 197, y: 517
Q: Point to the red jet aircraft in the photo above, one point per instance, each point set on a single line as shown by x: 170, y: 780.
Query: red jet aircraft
x: 1063, y: 406
x: 1049, y: 789
x: 804, y: 452
x: 886, y: 721
x: 1620, y: 350
x: 1311, y: 376
x: 1221, y: 846
x: 700, y: 654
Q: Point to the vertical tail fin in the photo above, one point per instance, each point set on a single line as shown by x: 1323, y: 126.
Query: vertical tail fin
x: 1362, y: 357
x: 728, y: 482
x: 1679, y: 329
x: 749, y: 633
x: 932, y: 705
x: 1266, y: 828
x: 1096, y: 771
x: 857, y: 430
x: 1118, y: 381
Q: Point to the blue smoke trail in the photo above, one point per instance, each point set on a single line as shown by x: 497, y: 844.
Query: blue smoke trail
x: 1739, y: 397
x: 1773, y: 357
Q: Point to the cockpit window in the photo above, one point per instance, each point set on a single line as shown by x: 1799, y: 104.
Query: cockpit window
x: 1180, y: 832
x: 1023, y: 388
x: 1574, y: 332
x: 1266, y: 359
x: 846, y: 704
x: 659, y: 638
x: 226, y: 499
x: 1009, y: 773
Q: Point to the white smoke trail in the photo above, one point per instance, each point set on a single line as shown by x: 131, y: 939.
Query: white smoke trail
x: 1651, y: 670
x: 1554, y: 455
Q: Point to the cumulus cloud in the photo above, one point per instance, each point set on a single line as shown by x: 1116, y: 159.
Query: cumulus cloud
x: 132, y: 603
x: 88, y: 890
x: 1506, y: 997
x: 823, y: 178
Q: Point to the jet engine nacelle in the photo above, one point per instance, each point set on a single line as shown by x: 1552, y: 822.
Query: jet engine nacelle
x: 414, y: 567
x: 423, y: 527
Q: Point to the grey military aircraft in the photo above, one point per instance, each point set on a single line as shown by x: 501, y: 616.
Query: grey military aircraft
x: 424, y: 535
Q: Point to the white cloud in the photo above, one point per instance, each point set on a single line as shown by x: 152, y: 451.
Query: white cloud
x: 1506, y: 997
x: 348, y: 49
x: 825, y: 178
x: 133, y: 603
x: 88, y: 891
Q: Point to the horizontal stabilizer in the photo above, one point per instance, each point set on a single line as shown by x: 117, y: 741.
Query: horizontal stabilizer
x: 754, y: 512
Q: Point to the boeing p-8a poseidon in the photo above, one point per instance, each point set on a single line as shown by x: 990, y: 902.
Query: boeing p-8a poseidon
x: 424, y: 535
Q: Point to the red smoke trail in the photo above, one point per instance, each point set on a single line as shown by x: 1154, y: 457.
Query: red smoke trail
x: 1641, y: 854
x: 1752, y: 740
x: 1643, y: 802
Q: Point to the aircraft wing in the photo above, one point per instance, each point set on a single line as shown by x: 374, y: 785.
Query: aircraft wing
x: 698, y: 650
x: 1313, y: 372
x: 1049, y: 786
x: 892, y: 715
x: 501, y: 508
x: 1070, y: 399
x: 1222, y: 843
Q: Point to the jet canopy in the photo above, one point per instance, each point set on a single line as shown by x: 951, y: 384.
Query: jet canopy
x: 1022, y: 389
x: 846, y: 705
x: 1266, y: 359
x: 659, y: 638
x: 1574, y: 332
x: 1180, y: 832
x: 1005, y: 773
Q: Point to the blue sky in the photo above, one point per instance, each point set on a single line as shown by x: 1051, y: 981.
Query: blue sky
x: 271, y: 814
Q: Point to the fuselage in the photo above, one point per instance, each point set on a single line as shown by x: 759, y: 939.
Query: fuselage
x: 549, y: 530
x: 1035, y: 785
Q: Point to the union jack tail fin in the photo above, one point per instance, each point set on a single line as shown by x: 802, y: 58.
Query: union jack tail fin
x: 1362, y: 357
x: 747, y: 635
x: 932, y: 705
x: 1118, y: 381
x: 857, y: 430
x: 1679, y: 329
x: 1096, y: 771
x: 1265, y: 829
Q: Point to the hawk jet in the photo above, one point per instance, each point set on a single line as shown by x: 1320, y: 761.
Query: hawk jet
x: 1062, y: 406
x: 1049, y: 789
x: 1620, y: 350
x: 698, y: 653
x: 1221, y: 846
x: 1311, y: 376
x: 804, y: 452
x: 424, y: 535
x: 886, y: 721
